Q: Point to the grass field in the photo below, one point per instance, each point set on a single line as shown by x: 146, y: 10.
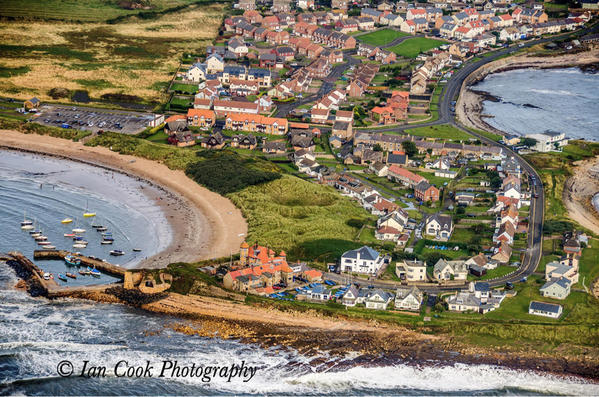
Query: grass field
x: 381, y: 37
x: 81, y: 11
x: 412, y: 47
x: 443, y: 131
x: 133, y: 57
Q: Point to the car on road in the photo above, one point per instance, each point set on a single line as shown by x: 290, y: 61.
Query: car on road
x: 509, y: 285
x: 535, y: 195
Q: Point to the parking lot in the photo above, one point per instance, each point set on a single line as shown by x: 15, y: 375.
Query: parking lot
x: 93, y: 119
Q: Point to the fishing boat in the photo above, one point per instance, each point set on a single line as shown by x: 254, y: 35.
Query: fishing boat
x: 69, y: 234
x: 66, y: 221
x: 84, y: 272
x: 95, y: 272
x: 62, y: 277
x: 106, y: 242
x: 71, y: 260
x: 116, y: 253
x: 79, y: 245
x: 71, y: 275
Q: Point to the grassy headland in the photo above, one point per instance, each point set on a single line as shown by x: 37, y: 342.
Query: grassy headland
x: 134, y: 56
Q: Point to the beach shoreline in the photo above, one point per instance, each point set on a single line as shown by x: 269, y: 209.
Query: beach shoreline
x: 578, y: 193
x: 204, y: 224
x: 469, y: 106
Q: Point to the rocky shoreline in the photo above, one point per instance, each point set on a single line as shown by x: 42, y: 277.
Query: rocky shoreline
x: 469, y: 107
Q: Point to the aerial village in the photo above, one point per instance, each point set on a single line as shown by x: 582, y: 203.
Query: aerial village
x: 299, y: 82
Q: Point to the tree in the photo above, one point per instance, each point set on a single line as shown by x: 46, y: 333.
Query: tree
x: 409, y: 147
x: 528, y: 142
x: 377, y: 148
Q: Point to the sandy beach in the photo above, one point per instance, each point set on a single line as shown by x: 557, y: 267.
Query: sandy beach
x: 579, y: 191
x: 205, y: 225
x: 470, y: 102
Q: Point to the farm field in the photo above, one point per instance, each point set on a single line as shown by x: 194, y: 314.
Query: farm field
x: 129, y: 61
x: 412, y: 47
x: 81, y: 11
x: 381, y: 37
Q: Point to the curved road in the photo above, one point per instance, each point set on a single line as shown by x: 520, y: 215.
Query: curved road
x: 450, y: 93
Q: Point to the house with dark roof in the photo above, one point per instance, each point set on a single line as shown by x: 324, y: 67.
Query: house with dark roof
x: 544, y: 309
x: 556, y: 288
x: 439, y: 226
x: 363, y: 260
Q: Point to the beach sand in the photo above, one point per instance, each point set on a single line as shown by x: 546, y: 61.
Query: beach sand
x: 205, y: 225
x: 579, y: 191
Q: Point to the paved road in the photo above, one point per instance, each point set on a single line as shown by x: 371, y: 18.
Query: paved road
x: 400, y: 40
x: 450, y: 93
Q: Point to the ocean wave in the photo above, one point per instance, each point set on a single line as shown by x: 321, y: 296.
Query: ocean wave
x: 555, y: 92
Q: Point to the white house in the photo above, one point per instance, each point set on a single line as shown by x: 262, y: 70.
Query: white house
x: 411, y: 271
x: 556, y: 288
x: 408, y: 298
x: 196, y: 73
x: 545, y: 309
x: 549, y: 141
x: 363, y: 260
x: 378, y: 299
x: 439, y: 226
x: 450, y: 270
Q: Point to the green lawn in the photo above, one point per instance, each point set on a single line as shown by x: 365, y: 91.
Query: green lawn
x: 589, y: 263
x: 158, y: 137
x: 381, y: 37
x: 443, y: 131
x: 185, y: 88
x: 411, y: 48
x: 500, y: 271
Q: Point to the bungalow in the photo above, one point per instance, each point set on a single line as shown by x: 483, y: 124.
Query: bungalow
x: 387, y: 233
x: 244, y: 141
x: 274, y: 147
x: 408, y: 298
x: 256, y: 123
x: 214, y: 141
x: 362, y: 260
x: 545, y: 309
x: 439, y: 226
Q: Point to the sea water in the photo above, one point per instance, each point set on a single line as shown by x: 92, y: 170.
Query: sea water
x: 37, y: 334
x: 536, y: 100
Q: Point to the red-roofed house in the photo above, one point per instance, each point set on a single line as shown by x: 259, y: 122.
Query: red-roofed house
x: 404, y: 176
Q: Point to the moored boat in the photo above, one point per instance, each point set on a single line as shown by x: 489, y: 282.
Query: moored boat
x: 49, y: 247
x: 62, y: 277
x: 71, y: 260
x: 116, y: 253
x: 95, y: 272
x: 136, y: 249
x: 84, y: 272
x: 78, y: 230
x: 71, y: 275
x: 79, y: 245
x: 43, y: 243
x: 69, y: 234
x: 40, y: 238
x: 106, y: 242
x: 27, y: 224
x: 101, y: 228
x: 66, y: 221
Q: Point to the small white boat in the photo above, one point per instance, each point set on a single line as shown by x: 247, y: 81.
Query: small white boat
x: 27, y: 227
x: 66, y: 221
x: 26, y: 222
x: 79, y: 245
x: 40, y: 238
x: 43, y: 243
x: 49, y: 247
x: 117, y: 253
x: 78, y: 230
x: 106, y: 242
x: 36, y: 234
